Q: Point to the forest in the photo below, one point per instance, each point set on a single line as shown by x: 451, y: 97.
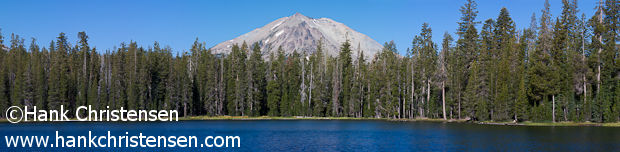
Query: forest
x: 558, y: 69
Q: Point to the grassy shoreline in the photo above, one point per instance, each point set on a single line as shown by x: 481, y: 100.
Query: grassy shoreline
x: 503, y: 123
x: 526, y: 123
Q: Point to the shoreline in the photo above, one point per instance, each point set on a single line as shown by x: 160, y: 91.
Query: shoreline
x: 495, y: 123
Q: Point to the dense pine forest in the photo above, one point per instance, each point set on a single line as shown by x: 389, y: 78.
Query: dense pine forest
x: 558, y: 69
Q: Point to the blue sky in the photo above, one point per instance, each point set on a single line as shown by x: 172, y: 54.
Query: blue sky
x: 178, y: 23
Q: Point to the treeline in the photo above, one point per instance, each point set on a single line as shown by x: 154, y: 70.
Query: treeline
x: 558, y: 69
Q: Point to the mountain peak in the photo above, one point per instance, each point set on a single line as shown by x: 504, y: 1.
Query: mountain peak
x: 302, y: 34
x: 297, y: 14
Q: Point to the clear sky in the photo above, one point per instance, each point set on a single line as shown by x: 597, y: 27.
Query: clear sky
x: 178, y: 23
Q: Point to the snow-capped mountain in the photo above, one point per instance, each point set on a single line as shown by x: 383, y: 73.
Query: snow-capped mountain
x: 302, y: 34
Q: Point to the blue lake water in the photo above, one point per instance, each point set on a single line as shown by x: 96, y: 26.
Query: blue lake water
x: 337, y: 135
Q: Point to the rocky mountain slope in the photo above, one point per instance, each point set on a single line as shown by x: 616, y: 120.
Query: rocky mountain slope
x: 302, y: 34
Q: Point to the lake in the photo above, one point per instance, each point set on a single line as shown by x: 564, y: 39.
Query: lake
x: 339, y: 135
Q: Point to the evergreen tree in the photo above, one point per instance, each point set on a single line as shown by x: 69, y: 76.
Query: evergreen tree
x: 29, y: 79
x: 505, y: 37
x: 386, y: 87
x: 59, y: 85
x: 346, y: 72
x: 274, y: 83
x: 235, y: 86
x: 427, y: 61
x: 539, y: 74
x: 40, y: 70
x: 17, y: 57
x: 318, y: 81
x: 256, y: 85
x: 466, y: 48
x: 291, y: 96
x: 608, y: 57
